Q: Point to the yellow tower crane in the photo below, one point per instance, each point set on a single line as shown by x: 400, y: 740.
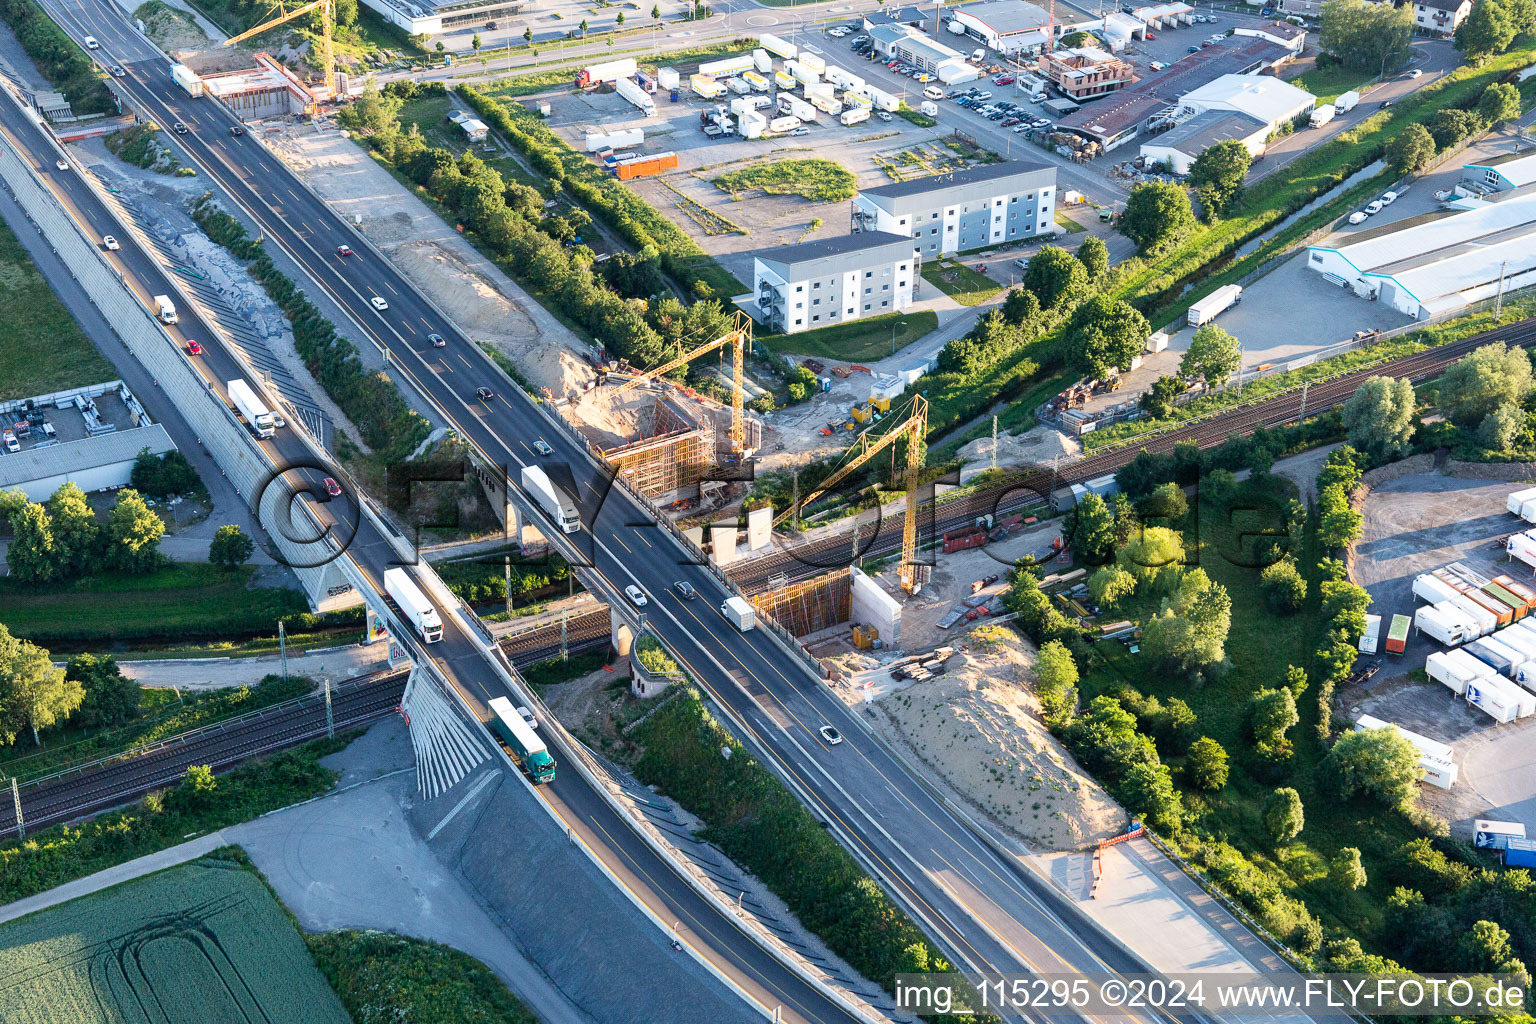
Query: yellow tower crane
x: 739, y: 337
x: 915, y: 430
x: 327, y: 53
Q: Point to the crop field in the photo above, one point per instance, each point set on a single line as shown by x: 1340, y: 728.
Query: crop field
x: 200, y: 943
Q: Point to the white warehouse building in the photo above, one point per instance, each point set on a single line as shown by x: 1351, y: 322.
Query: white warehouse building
x: 1007, y: 26
x: 948, y: 213
x: 1259, y: 96
x: 833, y: 280
x: 1440, y: 265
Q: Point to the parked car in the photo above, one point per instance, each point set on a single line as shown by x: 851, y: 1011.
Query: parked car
x: 1358, y: 217
x: 884, y: 116
x: 11, y: 444
x: 1157, y: 65
x: 800, y: 131
x: 1372, y: 209
x: 1191, y: 49
x: 1388, y: 198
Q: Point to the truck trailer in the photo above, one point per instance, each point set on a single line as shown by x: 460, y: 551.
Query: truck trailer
x: 644, y: 167
x: 598, y: 141
x: 530, y: 753
x: 1219, y: 301
x: 630, y: 90
x: 187, y: 79
x: 1369, y: 636
x: 1434, y: 623
x: 1482, y: 619
x: 704, y: 86
x: 555, y: 502
x: 1502, y: 658
x: 778, y: 47
x: 413, y: 604
x: 1432, y: 589
x: 729, y: 66
x: 1522, y: 548
x: 1397, y: 634
x: 762, y: 60
x: 609, y: 71
x: 258, y: 418
x: 739, y: 612
x: 1519, y: 498
x: 1493, y: 699
x: 756, y: 81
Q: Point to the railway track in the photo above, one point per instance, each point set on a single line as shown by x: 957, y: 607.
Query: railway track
x: 119, y: 779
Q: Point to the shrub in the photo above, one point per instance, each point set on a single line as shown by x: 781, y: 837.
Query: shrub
x: 1206, y: 767
x: 1283, y: 817
x: 1283, y: 586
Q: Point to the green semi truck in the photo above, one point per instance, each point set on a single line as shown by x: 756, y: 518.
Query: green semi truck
x: 528, y: 750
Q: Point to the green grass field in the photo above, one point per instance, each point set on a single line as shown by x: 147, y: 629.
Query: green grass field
x: 820, y: 181
x: 45, y: 350
x: 1327, y: 84
x: 960, y: 282
x: 184, y: 601
x: 869, y: 338
x: 199, y: 943
x: 384, y: 977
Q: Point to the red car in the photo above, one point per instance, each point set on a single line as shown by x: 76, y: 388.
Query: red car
x: 343, y: 250
x: 332, y: 488
x: 194, y: 348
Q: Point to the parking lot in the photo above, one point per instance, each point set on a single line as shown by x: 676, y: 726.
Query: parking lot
x: 1412, y: 525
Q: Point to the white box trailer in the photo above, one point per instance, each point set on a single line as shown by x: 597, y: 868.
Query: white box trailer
x: 1519, y: 498
x: 752, y: 125
x: 1522, y: 640
x: 1522, y: 548
x: 1485, y: 621
x: 1434, y: 623
x: 1432, y: 589
x: 413, y: 604
x: 630, y: 90
x: 784, y: 80
x: 827, y: 104
x: 668, y: 78
x: 762, y: 60
x: 1435, y: 758
x: 801, y: 73
x: 1528, y: 510
x: 780, y: 125
x: 778, y: 47
x: 258, y: 418
x: 1368, y: 637
x: 1439, y: 668
x: 812, y: 61
x: 884, y: 100
x: 854, y: 116
x: 729, y: 66
x: 1490, y: 697
x: 598, y: 141
x: 1424, y: 743
x: 1219, y: 301
x: 755, y: 80
x: 609, y: 71
x: 187, y: 79
x: 838, y: 77
x: 705, y: 86
x: 739, y: 613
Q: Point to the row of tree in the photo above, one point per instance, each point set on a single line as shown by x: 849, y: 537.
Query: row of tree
x: 35, y: 694
x: 62, y: 539
x: 1414, y: 146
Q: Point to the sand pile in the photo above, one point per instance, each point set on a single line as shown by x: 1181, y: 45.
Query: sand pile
x: 1035, y: 447
x: 978, y: 727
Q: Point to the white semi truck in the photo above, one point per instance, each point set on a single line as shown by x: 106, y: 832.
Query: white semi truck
x: 555, y: 502
x: 413, y: 604
x: 258, y: 418
x: 187, y: 79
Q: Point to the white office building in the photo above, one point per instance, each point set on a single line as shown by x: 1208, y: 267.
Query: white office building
x: 979, y: 206
x: 833, y: 280
x: 1007, y: 26
x: 1439, y: 265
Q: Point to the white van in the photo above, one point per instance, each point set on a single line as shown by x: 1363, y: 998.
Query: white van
x: 933, y: 92
x: 978, y: 54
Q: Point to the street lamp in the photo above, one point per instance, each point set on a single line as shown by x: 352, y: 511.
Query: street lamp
x: 893, y: 335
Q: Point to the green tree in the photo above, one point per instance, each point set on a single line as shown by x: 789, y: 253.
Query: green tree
x: 1378, y: 763
x: 1450, y: 125
x: 1499, y: 428
x: 1189, y: 635
x: 655, y: 12
x: 1167, y: 505
x: 375, y: 112
x: 33, y: 693
x: 440, y: 46
x: 583, y: 28
x: 1150, y: 551
x: 31, y: 555
x: 1379, y: 415
x: 75, y: 533
x: 1212, y: 357
x: 1217, y: 175
x: 1021, y: 306
x: 1110, y: 585
x: 133, y: 534
x: 1158, y: 400
x: 1283, y: 815
x: 111, y: 698
x: 1107, y: 335
x: 1339, y: 525
x: 1206, y: 766
x: 1486, y: 32
x: 1091, y: 530
x: 1373, y: 37
x: 1056, y: 679
x: 474, y: 44
x: 1346, y: 871
x: 11, y: 501
x: 230, y: 548
x: 1410, y: 149
x: 198, y: 786
x: 1093, y: 254
x: 1296, y: 680
x: 1056, y: 278
x: 1500, y: 102
x: 1148, y: 791
x: 1283, y: 585
x: 1175, y: 725
x: 1482, y: 380
x: 1271, y: 713
x: 1157, y: 216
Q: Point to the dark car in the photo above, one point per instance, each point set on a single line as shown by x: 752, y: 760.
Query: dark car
x: 235, y: 129
x: 179, y: 128
x: 685, y: 590
x: 484, y: 394
x: 437, y: 340
x: 117, y: 71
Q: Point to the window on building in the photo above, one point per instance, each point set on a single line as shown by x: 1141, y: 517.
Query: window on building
x: 799, y: 288
x: 868, y: 290
x: 816, y: 302
x: 885, y: 287
x: 867, y: 307
x: 883, y: 303
x: 816, y: 286
x: 868, y: 274
x: 1013, y: 199
x: 850, y: 311
x: 816, y: 319
x: 903, y: 222
x: 799, y: 322
x: 903, y: 266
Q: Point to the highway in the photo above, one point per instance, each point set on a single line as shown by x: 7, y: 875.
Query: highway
x: 987, y: 911
x: 610, y: 834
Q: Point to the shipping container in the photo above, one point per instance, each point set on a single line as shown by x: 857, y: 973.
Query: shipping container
x: 1522, y: 640
x: 1397, y: 635
x: 1431, y: 589
x: 1445, y: 623
x: 1498, y: 609
x: 1368, y: 638
x: 658, y: 163
x: 1520, y: 590
x: 1516, y: 605
x: 1440, y: 669
x: 669, y: 78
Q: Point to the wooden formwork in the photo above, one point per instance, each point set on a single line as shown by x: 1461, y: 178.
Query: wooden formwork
x: 811, y: 605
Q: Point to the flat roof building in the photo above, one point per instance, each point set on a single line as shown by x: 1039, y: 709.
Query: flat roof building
x: 1293, y: 37
x: 1502, y: 173
x: 88, y: 435
x: 1117, y: 119
x: 948, y: 213
x: 834, y: 280
x: 1179, y: 146
x: 1007, y: 26
x: 1264, y: 97
x: 1438, y: 263
x: 1086, y: 72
